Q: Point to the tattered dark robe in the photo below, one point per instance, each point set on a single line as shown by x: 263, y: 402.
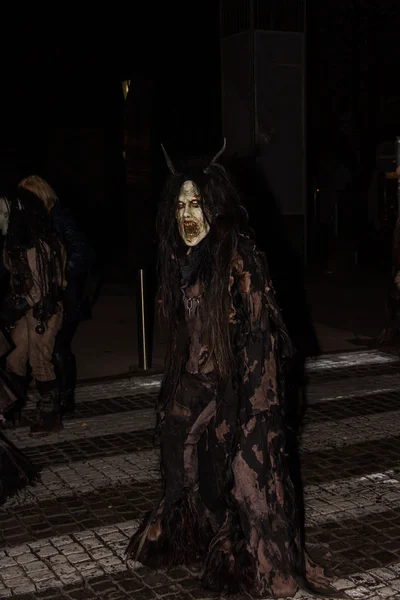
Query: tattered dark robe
x: 16, y: 470
x: 228, y: 499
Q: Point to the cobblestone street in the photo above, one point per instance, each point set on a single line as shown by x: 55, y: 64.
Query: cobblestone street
x: 65, y: 537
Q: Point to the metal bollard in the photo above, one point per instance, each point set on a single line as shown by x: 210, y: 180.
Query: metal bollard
x: 143, y: 330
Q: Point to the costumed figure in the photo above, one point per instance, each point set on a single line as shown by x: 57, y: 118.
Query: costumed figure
x: 80, y: 258
x: 16, y: 470
x: 228, y: 498
x: 33, y: 310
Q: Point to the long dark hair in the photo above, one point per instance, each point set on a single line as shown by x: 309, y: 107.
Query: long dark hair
x: 31, y: 226
x: 227, y: 218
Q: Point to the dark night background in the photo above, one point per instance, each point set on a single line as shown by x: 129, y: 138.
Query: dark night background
x: 63, y: 109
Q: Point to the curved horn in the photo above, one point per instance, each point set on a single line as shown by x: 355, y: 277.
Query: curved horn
x: 168, y: 161
x: 216, y: 157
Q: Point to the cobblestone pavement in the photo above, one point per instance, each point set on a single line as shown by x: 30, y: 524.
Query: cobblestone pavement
x: 65, y: 537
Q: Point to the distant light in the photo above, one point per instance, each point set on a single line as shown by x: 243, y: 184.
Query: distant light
x: 125, y: 87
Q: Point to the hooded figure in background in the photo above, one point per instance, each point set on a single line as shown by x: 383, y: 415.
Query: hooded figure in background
x: 80, y: 258
x: 228, y: 498
x: 33, y: 311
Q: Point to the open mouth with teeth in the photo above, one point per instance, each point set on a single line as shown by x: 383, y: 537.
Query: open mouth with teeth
x: 191, y: 229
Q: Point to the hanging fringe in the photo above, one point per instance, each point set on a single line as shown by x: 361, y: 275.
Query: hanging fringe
x: 184, y: 536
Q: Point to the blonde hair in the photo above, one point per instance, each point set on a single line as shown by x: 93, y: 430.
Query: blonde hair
x: 41, y: 189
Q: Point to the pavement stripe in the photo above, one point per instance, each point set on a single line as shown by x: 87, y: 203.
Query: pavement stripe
x: 352, y: 387
x: 343, y: 405
x: 61, y: 452
x: 84, y: 476
x: 380, y: 399
x: 328, y: 362
x: 317, y: 435
x: 120, y: 388
x: 352, y: 497
x: 347, y: 432
x: 341, y: 390
x: 60, y: 561
x: 92, y: 427
x: 151, y: 383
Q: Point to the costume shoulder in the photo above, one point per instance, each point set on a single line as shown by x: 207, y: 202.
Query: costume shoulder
x: 249, y: 269
x: 249, y: 266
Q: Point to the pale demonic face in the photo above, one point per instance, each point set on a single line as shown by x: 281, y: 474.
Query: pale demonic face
x: 4, y: 215
x: 192, y: 224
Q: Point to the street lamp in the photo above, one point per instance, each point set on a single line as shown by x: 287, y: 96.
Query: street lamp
x: 125, y: 90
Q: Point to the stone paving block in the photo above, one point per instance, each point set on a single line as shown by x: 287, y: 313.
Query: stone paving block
x: 386, y: 592
x: 90, y: 543
x: 73, y: 548
x: 24, y: 588
x: 11, y: 573
x: 6, y: 562
x: 83, y: 535
x: 89, y: 573
x: 63, y: 541
x: 395, y: 583
x: 102, y: 531
x: 63, y: 569
x: 383, y: 574
x: 47, y: 551
x: 116, y: 536
x: 130, y: 584
x: 119, y: 548
x: 88, y: 565
x: 167, y: 591
x: 33, y: 566
x: 58, y: 559
x: 51, y: 583
x: 82, y: 594
x: 108, y: 561
x: 74, y: 577
x: 78, y: 558
x: 99, y: 553
x: 43, y: 575
x: 18, y: 550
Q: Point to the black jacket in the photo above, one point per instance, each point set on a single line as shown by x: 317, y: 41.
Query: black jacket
x: 80, y: 255
x: 80, y: 260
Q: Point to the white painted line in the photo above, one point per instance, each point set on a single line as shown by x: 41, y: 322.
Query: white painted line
x: 92, y: 427
x: 323, y: 435
x: 151, y: 383
x: 83, y: 477
x: 351, y: 387
x: 317, y: 435
x: 349, y: 359
x: 344, y: 498
x: 352, y: 498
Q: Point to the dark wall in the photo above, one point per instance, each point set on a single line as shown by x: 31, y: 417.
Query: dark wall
x: 189, y: 94
x: 62, y: 120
